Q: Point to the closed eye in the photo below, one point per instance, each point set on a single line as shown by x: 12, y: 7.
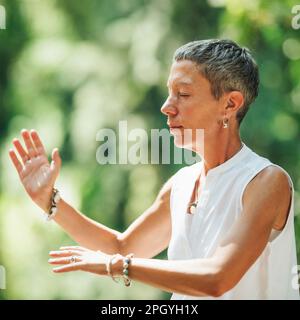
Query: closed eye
x: 183, y: 94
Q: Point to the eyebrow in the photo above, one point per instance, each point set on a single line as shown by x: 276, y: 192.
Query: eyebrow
x: 182, y: 82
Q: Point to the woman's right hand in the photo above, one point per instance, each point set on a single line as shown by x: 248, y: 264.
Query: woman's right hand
x: 36, y: 173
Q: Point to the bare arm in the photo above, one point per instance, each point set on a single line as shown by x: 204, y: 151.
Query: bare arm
x: 146, y: 237
x: 38, y: 177
x: 85, y: 231
x: 236, y: 253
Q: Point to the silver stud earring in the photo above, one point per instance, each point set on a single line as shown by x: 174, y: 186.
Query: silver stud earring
x: 225, y: 123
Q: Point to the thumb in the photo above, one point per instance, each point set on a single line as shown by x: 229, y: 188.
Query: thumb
x: 56, y: 161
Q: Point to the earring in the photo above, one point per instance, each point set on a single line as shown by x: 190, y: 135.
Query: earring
x: 225, y: 123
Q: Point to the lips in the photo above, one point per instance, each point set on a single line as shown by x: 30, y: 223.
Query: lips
x: 174, y: 126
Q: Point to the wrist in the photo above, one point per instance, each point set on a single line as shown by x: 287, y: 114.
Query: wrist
x: 117, y: 265
x: 54, y: 202
x: 120, y: 268
x: 44, y: 201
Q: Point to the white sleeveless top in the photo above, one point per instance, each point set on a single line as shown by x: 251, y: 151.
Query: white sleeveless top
x: 274, y: 273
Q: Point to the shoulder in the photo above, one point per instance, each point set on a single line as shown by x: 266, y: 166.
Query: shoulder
x: 270, y: 192
x: 273, y: 177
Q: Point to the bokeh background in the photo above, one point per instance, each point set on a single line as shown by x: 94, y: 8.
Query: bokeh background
x: 72, y: 67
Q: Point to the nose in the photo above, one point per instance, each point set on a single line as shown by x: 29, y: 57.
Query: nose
x: 168, y: 108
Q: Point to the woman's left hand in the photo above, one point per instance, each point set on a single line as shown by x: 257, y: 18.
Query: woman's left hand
x: 74, y: 258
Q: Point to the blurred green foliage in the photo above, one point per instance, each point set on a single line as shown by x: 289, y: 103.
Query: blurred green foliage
x: 71, y: 67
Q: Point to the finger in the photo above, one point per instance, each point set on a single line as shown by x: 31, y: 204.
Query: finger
x: 68, y: 268
x: 72, y: 248
x: 64, y: 253
x: 56, y: 162
x: 15, y: 161
x: 23, y: 154
x: 38, y: 143
x: 64, y: 260
x: 28, y: 142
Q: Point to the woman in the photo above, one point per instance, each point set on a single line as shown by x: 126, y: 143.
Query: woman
x: 236, y: 242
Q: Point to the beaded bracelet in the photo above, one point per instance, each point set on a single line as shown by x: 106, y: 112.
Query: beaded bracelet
x: 55, y: 197
x: 126, y: 262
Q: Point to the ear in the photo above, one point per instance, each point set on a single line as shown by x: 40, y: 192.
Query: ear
x: 235, y: 100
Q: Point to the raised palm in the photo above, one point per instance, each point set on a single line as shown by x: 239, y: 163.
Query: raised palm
x: 36, y: 173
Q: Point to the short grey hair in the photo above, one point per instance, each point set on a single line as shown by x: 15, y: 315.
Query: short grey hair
x: 226, y: 65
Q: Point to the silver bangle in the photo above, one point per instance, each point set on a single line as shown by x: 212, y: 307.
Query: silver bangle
x: 108, y: 268
x: 54, y: 202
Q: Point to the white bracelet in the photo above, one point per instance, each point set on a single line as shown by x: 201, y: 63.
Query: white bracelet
x: 54, y: 202
x: 108, y: 268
